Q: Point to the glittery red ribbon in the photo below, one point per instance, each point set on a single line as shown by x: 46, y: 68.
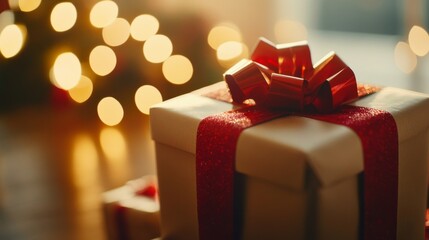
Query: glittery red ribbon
x: 323, y: 89
x: 379, y: 138
x: 217, y: 137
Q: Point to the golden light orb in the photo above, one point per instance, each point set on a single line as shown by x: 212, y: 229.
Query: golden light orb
x: 405, y: 59
x: 110, y: 111
x: 103, y: 13
x: 6, y: 18
x: 231, y: 52
x: 28, y: 5
x: 102, y: 60
x: 67, y: 70
x: 82, y: 91
x: 222, y: 33
x: 12, y: 39
x: 157, y: 48
x: 117, y: 33
x: 146, y: 96
x: 418, y: 39
x: 63, y: 16
x: 144, y: 26
x: 13, y: 4
x: 177, y: 69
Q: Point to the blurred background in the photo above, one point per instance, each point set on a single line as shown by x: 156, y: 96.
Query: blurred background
x: 77, y: 79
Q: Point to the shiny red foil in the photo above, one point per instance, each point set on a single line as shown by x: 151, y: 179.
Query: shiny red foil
x: 283, y: 76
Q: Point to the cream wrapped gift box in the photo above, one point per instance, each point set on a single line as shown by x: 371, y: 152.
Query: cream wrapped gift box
x: 300, y: 174
x: 132, y: 211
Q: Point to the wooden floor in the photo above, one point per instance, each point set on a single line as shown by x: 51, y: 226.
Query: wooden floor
x: 54, y: 165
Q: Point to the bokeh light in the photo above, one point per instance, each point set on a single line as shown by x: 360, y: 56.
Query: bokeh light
x: 110, y: 111
x: 144, y: 26
x: 103, y: 13
x: 114, y: 147
x: 113, y: 144
x: 6, y: 18
x: 116, y: 33
x: 231, y: 52
x: 63, y: 16
x: 13, y: 4
x: 52, y: 77
x: 12, y: 39
x: 28, y: 5
x: 222, y: 33
x: 287, y: 31
x: 177, y: 69
x: 405, y: 59
x: 157, y: 48
x: 102, y: 60
x: 146, y: 96
x: 67, y: 70
x: 82, y: 91
x: 85, y: 161
x: 418, y: 39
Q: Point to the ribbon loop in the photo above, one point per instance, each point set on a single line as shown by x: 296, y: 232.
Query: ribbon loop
x: 266, y: 53
x: 282, y: 76
x: 247, y: 80
x: 295, y: 59
x: 286, y: 91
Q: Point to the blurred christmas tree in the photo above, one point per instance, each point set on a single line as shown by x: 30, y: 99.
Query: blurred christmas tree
x: 26, y: 79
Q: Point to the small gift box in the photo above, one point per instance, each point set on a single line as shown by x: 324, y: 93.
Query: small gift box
x: 132, y: 211
x: 297, y: 176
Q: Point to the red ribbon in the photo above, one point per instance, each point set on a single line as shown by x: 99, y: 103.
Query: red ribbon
x: 217, y: 137
x: 331, y: 83
x: 283, y: 76
x: 378, y: 134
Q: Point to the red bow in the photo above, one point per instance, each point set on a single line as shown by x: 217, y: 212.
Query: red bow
x: 282, y: 76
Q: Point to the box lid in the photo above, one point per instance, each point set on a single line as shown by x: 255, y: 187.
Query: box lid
x: 282, y: 150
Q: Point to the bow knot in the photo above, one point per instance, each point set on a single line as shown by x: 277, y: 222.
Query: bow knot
x: 283, y: 76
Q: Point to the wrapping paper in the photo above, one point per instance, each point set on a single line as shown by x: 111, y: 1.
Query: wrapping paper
x: 310, y: 174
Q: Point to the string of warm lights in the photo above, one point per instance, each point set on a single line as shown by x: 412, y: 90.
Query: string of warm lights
x: 67, y: 71
x: 406, y: 53
x: 226, y: 39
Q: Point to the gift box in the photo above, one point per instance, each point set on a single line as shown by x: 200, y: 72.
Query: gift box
x: 132, y: 211
x: 296, y: 177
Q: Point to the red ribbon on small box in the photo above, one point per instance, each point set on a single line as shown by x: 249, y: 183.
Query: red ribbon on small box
x: 149, y: 191
x: 280, y: 80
